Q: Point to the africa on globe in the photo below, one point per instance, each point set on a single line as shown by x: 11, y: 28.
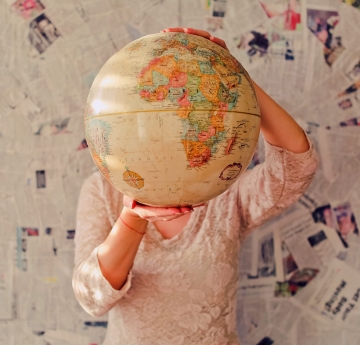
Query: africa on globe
x: 172, y: 119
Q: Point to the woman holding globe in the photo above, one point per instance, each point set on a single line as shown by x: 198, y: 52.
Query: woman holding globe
x: 168, y: 275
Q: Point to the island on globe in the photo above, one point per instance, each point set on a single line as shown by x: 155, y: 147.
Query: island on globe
x: 172, y: 119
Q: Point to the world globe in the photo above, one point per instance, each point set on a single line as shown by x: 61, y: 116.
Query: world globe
x: 172, y: 119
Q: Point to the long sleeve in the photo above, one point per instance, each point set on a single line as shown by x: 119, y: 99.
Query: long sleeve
x: 93, y: 224
x: 274, y: 185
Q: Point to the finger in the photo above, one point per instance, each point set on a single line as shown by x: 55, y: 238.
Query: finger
x: 168, y: 211
x: 164, y: 219
x: 169, y: 219
x: 173, y: 30
x: 201, y: 33
x: 186, y: 209
x: 219, y: 41
x: 157, y: 219
x: 148, y: 211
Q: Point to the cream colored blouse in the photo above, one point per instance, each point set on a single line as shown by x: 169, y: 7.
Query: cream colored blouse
x: 182, y: 290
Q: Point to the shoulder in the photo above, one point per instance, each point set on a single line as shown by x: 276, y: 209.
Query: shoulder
x: 96, y: 182
x: 93, y: 186
x: 228, y: 200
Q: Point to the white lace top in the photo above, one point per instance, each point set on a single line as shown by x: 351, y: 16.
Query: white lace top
x: 181, y: 291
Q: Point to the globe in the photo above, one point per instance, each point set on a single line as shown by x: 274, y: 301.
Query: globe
x: 172, y: 119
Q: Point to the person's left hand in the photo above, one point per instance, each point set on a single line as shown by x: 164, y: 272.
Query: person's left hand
x: 201, y: 33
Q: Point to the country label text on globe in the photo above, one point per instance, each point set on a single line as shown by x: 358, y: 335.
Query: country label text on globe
x: 172, y: 119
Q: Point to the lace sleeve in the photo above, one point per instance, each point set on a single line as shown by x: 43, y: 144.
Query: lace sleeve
x: 274, y: 185
x: 92, y: 290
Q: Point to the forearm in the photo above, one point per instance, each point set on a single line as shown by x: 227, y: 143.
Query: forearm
x: 278, y: 127
x: 117, y: 253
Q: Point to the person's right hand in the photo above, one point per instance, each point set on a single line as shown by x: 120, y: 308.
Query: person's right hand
x: 154, y: 214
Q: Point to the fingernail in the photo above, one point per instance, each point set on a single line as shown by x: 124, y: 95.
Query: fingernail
x: 185, y: 212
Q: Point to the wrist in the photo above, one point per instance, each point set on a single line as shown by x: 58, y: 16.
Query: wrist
x: 130, y: 214
x: 133, y: 220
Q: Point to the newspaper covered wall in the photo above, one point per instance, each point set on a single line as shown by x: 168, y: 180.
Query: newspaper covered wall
x: 299, y: 273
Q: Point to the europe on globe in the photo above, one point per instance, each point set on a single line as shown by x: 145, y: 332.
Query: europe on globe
x: 172, y: 119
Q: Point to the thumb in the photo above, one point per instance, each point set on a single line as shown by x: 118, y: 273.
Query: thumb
x: 128, y: 202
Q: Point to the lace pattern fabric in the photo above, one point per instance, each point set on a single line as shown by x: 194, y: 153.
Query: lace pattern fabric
x: 182, y: 290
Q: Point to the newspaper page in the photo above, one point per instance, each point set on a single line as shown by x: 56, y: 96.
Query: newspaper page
x: 331, y: 37
x: 266, y: 258
x: 340, y: 147
x: 252, y: 316
x: 337, y: 292
x: 311, y: 245
x: 6, y: 280
x: 311, y: 330
x: 341, y: 218
x: 217, y: 10
x: 305, y: 54
x: 247, y: 256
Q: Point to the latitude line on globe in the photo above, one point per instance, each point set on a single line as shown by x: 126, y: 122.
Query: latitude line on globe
x: 163, y: 111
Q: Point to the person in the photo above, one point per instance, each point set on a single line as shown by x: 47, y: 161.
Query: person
x: 47, y: 29
x: 346, y: 223
x: 169, y: 275
x: 289, y: 13
x: 259, y: 42
x: 255, y: 43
